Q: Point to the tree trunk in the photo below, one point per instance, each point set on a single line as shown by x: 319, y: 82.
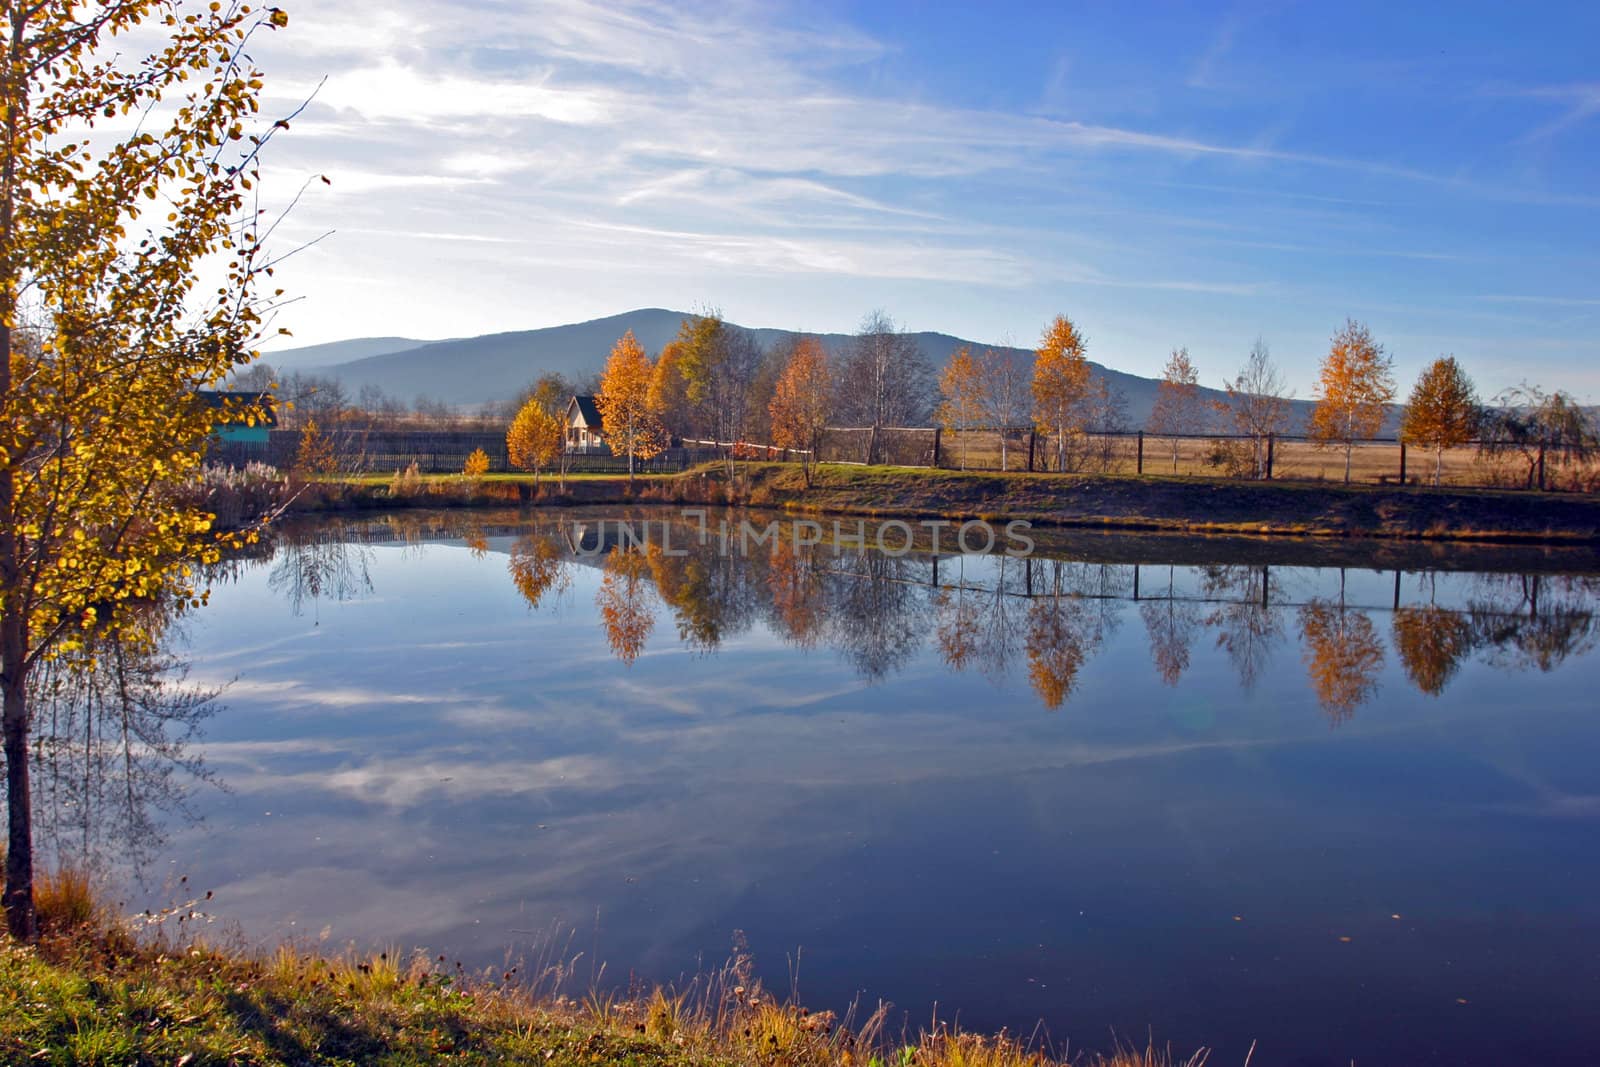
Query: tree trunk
x: 20, y: 916
x: 18, y: 896
x: 1348, y: 446
x: 1438, y: 463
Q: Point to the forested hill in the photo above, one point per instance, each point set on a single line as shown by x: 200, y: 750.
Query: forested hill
x: 474, y: 370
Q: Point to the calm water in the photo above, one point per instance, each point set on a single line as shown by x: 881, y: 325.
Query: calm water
x: 1346, y: 806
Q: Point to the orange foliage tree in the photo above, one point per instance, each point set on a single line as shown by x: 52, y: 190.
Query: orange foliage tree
x: 1356, y: 386
x: 536, y: 437
x: 801, y: 402
x: 1060, y: 383
x: 1442, y: 411
x: 963, y: 387
x: 668, y: 396
x: 630, y: 420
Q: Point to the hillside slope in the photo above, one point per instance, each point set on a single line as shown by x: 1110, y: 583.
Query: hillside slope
x: 471, y: 371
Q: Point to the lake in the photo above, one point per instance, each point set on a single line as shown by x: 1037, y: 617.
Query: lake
x: 1339, y: 800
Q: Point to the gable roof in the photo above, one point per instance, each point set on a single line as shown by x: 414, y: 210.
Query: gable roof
x: 588, y: 409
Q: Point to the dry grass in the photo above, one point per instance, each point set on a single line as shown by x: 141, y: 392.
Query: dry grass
x: 65, y: 901
x: 102, y: 997
x: 1370, y: 464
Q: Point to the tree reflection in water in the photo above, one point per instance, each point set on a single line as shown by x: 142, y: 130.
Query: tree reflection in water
x: 318, y: 566
x: 1247, y: 620
x: 1343, y: 656
x: 538, y: 568
x: 1170, y: 623
x: 1533, y: 621
x: 625, y: 603
x: 1431, y: 641
x: 996, y: 615
x: 114, y: 728
x: 1065, y: 628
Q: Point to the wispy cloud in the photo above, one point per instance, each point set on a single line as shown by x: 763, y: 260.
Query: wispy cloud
x: 1580, y: 102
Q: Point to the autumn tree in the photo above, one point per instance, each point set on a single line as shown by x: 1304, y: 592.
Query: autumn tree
x: 963, y: 386
x: 476, y: 466
x: 104, y: 333
x: 630, y: 421
x: 551, y: 391
x: 883, y: 379
x: 1179, y: 408
x: 667, y: 396
x: 1060, y: 384
x: 717, y: 363
x: 1442, y: 411
x: 801, y: 401
x: 314, y: 453
x: 1542, y: 428
x: 1356, y: 386
x: 1005, y: 394
x: 1258, y: 403
x: 536, y: 438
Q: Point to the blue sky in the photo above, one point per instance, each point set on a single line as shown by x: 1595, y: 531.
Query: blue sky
x: 1166, y: 175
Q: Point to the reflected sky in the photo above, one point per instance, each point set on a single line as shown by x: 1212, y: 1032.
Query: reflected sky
x: 1344, y: 812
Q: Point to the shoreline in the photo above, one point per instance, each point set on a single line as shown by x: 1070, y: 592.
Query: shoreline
x: 1147, y: 504
x: 93, y: 991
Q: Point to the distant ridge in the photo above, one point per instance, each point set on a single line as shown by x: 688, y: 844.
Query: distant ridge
x: 471, y: 371
x: 336, y: 352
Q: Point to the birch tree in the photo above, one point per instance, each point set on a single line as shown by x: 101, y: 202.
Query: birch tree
x: 104, y: 334
x: 1060, y: 384
x: 1355, y: 386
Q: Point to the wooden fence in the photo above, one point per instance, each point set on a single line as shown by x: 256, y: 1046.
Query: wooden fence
x: 1278, y: 456
x: 1383, y: 461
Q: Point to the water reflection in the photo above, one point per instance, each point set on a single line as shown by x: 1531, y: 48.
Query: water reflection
x: 511, y: 721
x: 116, y: 727
x: 991, y: 615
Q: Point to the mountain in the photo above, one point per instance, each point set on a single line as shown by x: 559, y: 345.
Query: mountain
x: 470, y: 371
x: 335, y: 352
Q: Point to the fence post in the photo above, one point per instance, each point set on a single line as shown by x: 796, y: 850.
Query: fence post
x: 1032, y: 436
x: 1271, y: 440
x: 1139, y: 465
x: 938, y: 431
x: 1402, y: 461
x: 1541, y: 468
x: 872, y: 444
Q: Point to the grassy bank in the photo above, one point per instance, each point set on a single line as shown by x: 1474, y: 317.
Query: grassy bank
x: 1184, y: 504
x: 1152, y: 503
x: 93, y: 993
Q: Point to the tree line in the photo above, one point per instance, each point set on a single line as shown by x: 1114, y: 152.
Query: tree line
x: 712, y: 383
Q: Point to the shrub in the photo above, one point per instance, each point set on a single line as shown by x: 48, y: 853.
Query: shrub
x: 406, y: 482
x: 240, y: 496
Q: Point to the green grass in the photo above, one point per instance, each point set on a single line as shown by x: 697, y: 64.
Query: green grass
x: 99, y: 991
x: 102, y: 998
x: 506, y: 478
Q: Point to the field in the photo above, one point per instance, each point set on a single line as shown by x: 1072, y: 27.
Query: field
x: 1293, y: 459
